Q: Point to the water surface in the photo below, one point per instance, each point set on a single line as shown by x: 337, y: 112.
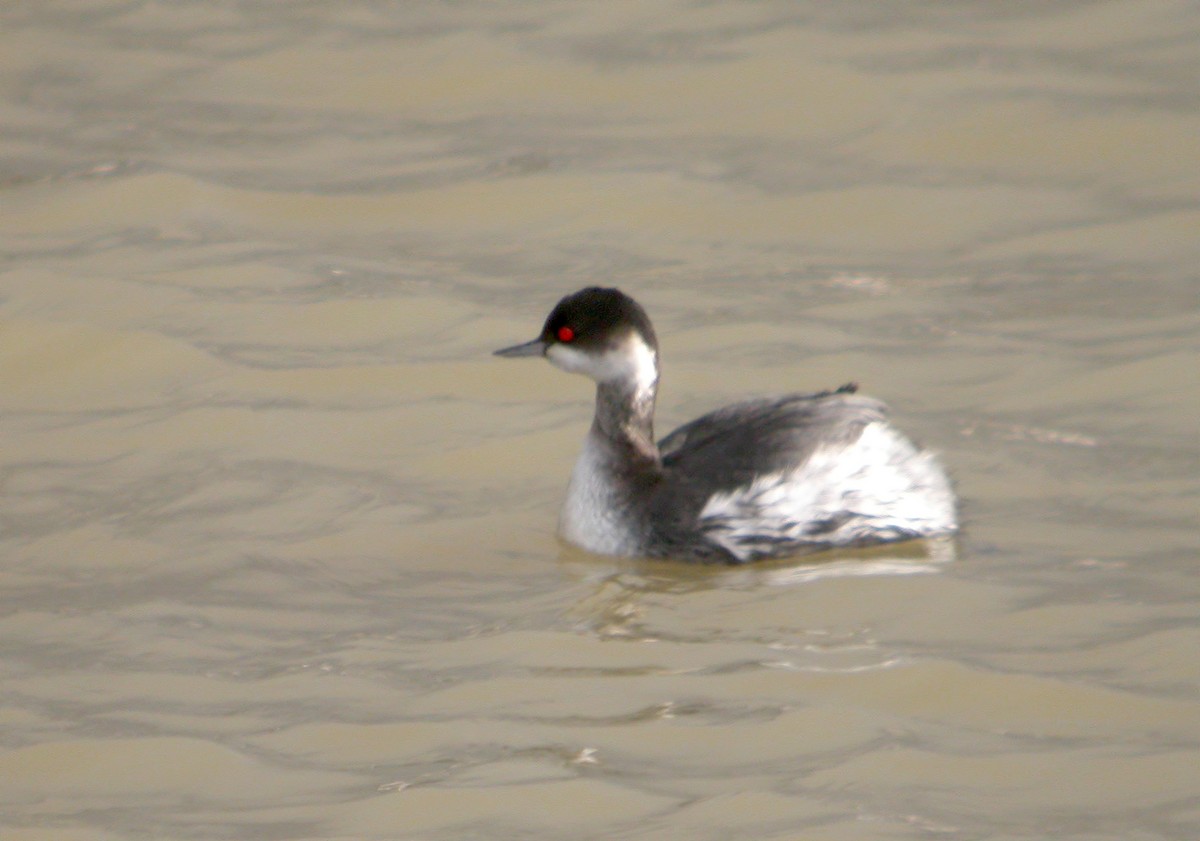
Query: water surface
x: 278, y: 532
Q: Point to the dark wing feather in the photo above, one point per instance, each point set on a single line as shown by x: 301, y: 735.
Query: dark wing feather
x: 733, y: 444
x: 728, y: 448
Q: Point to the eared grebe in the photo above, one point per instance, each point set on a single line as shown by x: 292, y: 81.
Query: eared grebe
x: 765, y: 478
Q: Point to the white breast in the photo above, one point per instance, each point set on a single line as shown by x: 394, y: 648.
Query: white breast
x: 590, y: 517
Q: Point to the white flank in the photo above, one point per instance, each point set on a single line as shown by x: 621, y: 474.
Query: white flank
x: 881, y: 487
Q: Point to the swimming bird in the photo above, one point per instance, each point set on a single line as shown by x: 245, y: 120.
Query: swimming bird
x: 763, y: 478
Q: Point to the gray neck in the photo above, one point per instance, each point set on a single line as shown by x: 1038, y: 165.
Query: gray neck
x: 625, y: 419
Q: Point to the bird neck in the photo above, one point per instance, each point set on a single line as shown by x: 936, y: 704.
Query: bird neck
x: 625, y: 416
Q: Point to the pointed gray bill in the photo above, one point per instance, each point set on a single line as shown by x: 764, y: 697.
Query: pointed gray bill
x: 535, y: 348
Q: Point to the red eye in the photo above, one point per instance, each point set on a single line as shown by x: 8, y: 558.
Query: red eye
x: 565, y: 334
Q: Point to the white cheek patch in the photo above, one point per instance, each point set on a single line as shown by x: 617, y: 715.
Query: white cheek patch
x: 569, y: 359
x: 631, y: 361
